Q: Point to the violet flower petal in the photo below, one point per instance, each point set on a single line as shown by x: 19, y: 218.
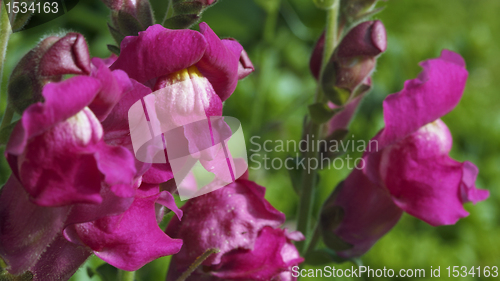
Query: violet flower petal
x: 159, y: 51
x: 368, y: 214
x: 228, y: 218
x: 435, y: 92
x: 25, y: 228
x: 264, y: 262
x: 58, y: 106
x: 136, y: 241
x: 114, y: 85
x: 220, y: 62
x: 245, y: 66
x: 424, y: 181
x: 61, y: 260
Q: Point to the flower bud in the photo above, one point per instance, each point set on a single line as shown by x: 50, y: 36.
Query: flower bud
x: 366, y: 39
x: 47, y: 62
x: 186, y: 13
x: 353, y: 61
x: 128, y: 18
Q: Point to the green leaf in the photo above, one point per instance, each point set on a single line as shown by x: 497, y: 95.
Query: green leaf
x: 114, y: 49
x: 320, y: 112
x: 116, y: 34
x: 334, y: 138
x: 188, y: 8
x: 107, y: 272
x: 336, y: 95
x: 181, y: 21
x: 128, y: 25
x: 296, y: 177
x: 90, y: 272
x: 5, y: 133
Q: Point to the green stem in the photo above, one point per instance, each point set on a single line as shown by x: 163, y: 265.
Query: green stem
x: 124, y: 275
x: 314, y: 240
x: 309, y: 176
x: 331, y: 33
x: 197, y: 263
x: 5, y: 31
x: 7, y: 117
x: 271, y: 20
x: 266, y: 65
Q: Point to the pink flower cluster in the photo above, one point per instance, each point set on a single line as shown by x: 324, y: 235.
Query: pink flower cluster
x: 407, y: 168
x: 76, y: 188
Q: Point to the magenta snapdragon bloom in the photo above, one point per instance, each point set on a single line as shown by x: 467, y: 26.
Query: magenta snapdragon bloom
x: 407, y: 164
x: 72, y: 194
x: 239, y: 222
x: 189, y: 73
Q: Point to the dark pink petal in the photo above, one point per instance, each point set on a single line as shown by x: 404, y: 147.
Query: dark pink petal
x: 468, y: 188
x: 57, y: 168
x: 136, y: 239
x: 166, y: 199
x: 61, y: 260
x: 114, y: 85
x: 62, y: 100
x: 245, y: 66
x: 117, y: 164
x: 424, y: 181
x: 264, y: 262
x: 435, y: 92
x: 159, y: 51
x: 368, y: 38
x: 158, y: 173
x: 228, y: 218
x: 367, y: 213
x: 116, y: 126
x: 26, y: 229
x: 69, y: 55
x: 342, y: 119
x: 107, y: 62
x: 220, y: 62
x: 111, y: 205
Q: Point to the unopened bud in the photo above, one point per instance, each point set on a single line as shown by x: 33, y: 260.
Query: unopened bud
x: 366, y: 39
x: 187, y: 12
x: 52, y: 58
x: 353, y: 61
x: 129, y: 17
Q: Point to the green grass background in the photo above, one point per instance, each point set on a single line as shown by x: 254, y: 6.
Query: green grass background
x: 271, y: 103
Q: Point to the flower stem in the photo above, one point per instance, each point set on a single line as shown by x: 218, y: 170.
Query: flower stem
x: 314, y: 240
x: 5, y: 31
x: 331, y: 33
x: 309, y: 176
x: 124, y: 275
x: 7, y: 117
x: 197, y: 263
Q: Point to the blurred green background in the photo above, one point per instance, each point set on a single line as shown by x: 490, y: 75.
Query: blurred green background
x: 271, y: 103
